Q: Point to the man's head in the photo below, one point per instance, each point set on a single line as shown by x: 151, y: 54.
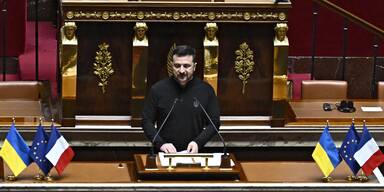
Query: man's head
x: 184, y: 64
x: 140, y: 30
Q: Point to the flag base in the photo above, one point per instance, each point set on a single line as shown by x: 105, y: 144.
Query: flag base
x: 49, y: 178
x: 11, y: 178
x: 39, y: 177
x: 351, y: 178
x: 362, y: 178
x: 327, y: 179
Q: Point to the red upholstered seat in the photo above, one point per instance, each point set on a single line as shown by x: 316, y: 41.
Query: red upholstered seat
x: 296, y: 79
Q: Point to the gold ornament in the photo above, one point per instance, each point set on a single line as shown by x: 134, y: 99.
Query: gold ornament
x: 170, y: 60
x: 244, y: 64
x: 103, y: 65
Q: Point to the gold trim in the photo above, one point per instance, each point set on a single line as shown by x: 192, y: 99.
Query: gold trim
x: 69, y: 15
x: 282, y: 16
x: 211, y: 16
x: 170, y: 60
x: 140, y: 15
x: 175, y: 15
x: 247, y: 16
x: 103, y: 65
x: 104, y: 15
x: 244, y: 64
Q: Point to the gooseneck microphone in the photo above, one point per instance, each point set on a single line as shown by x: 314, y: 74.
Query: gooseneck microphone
x: 197, y: 103
x: 151, y: 158
x: 165, y: 120
x: 225, y: 160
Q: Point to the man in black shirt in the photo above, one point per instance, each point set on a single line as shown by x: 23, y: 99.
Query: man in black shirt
x: 187, y: 127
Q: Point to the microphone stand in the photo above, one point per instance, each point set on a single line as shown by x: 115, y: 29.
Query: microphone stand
x: 151, y: 158
x: 375, y: 65
x: 314, y: 31
x: 4, y: 38
x: 225, y: 160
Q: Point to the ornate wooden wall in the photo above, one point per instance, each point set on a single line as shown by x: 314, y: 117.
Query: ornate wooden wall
x: 173, y: 23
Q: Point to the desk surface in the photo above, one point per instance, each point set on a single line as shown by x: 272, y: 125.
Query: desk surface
x: 281, y: 175
x: 311, y: 112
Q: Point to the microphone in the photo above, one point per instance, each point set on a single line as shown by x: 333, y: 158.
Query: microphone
x: 151, y: 158
x: 225, y: 160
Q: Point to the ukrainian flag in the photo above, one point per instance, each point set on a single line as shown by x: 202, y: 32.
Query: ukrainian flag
x: 326, y: 154
x: 15, y: 151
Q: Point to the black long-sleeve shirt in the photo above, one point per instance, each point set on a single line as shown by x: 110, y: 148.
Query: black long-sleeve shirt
x: 187, y: 122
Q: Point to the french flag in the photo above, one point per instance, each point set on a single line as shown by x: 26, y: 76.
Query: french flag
x: 59, y: 153
x: 369, y: 156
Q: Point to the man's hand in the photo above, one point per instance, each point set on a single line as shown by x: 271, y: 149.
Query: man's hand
x: 168, y: 148
x: 193, y: 147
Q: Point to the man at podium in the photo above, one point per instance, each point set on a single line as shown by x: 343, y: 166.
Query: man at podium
x: 173, y: 104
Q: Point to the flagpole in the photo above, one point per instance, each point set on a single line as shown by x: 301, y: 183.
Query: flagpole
x: 49, y: 178
x: 40, y: 176
x: 363, y: 177
x: 378, y: 175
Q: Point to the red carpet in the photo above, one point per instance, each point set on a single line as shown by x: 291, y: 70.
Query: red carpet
x: 47, y: 54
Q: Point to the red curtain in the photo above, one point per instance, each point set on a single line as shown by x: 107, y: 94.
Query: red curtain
x: 330, y: 28
x: 15, y: 27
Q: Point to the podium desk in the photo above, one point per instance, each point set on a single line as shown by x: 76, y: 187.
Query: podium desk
x: 260, y: 176
x: 311, y: 113
x: 187, y: 171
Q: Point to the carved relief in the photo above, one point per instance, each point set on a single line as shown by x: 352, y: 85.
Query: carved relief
x: 244, y: 64
x: 174, y: 15
x: 103, y: 66
x: 170, y: 60
x: 211, y: 55
x: 281, y: 38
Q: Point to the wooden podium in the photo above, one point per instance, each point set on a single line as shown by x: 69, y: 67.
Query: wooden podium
x: 186, y: 173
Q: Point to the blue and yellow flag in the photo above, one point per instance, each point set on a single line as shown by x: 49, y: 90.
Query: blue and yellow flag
x: 15, y: 151
x: 326, y: 154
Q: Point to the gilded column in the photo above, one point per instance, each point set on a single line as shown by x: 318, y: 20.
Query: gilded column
x: 139, y: 71
x: 68, y: 59
x: 211, y: 55
x: 281, y: 45
x: 68, y: 67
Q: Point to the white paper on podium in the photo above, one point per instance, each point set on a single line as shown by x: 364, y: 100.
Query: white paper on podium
x: 371, y: 109
x: 212, y: 162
